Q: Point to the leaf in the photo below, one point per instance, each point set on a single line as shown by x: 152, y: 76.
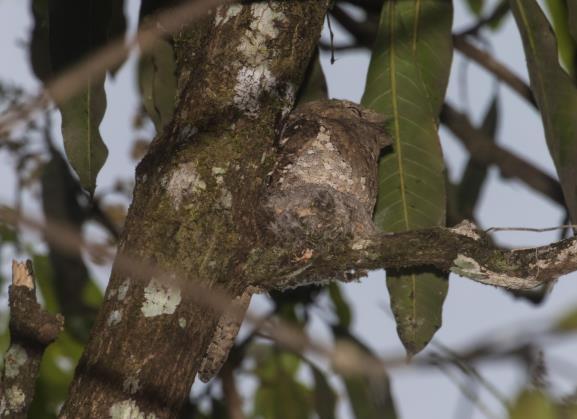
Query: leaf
x: 77, y: 28
x: 572, y: 18
x: 325, y: 397
x: 562, y: 25
x: 157, y: 71
x: 567, y: 323
x: 370, y: 397
x: 476, y: 6
x: 157, y: 82
x: 81, y: 117
x: 116, y: 27
x: 533, y: 404
x: 40, y: 40
x: 475, y: 173
x: 342, y: 308
x: 280, y: 395
x: 555, y: 92
x: 406, y: 82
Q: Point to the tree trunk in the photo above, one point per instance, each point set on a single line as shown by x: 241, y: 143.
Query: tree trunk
x: 196, y: 214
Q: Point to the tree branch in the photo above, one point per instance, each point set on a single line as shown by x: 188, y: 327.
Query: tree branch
x: 463, y: 250
x: 485, y: 151
x: 494, y: 66
x: 31, y: 330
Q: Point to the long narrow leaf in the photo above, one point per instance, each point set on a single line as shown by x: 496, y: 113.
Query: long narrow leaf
x: 555, y: 92
x: 406, y: 82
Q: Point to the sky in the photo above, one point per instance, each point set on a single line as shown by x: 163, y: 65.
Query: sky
x: 472, y: 312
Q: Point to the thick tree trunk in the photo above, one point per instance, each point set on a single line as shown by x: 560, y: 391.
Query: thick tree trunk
x: 195, y: 215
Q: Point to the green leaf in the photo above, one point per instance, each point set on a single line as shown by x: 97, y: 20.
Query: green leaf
x: 157, y: 82
x: 78, y: 28
x: 370, y: 397
x: 406, y: 82
x: 40, y: 40
x: 476, y: 6
x: 533, y: 404
x: 81, y: 117
x: 280, y: 395
x: 475, y: 173
x: 567, y: 322
x: 555, y: 92
x: 342, y: 309
x: 572, y: 18
x: 562, y: 25
x: 325, y: 397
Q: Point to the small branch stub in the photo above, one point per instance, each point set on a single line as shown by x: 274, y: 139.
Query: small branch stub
x: 31, y: 330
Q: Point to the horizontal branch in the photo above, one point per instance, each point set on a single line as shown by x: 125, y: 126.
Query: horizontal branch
x: 463, y: 250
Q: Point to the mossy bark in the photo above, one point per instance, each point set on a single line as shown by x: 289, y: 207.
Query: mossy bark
x: 195, y: 214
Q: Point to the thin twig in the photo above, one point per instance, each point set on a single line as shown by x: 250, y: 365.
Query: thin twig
x: 486, y: 151
x: 530, y: 229
x: 497, y: 68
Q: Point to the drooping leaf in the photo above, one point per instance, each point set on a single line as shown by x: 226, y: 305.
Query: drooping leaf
x: 499, y: 13
x: 85, y: 149
x: 476, y: 6
x: 562, y: 25
x: 555, y: 92
x: 116, y: 27
x: 406, y: 82
x: 533, y: 404
x: 280, y: 395
x: 40, y: 40
x: 370, y: 397
x: 572, y: 18
x: 325, y: 397
x: 567, y: 323
x: 157, y: 71
x: 78, y: 28
x: 342, y: 309
x: 157, y: 82
x: 475, y: 173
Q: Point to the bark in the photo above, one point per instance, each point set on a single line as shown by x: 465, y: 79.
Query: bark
x: 194, y: 207
x: 31, y: 330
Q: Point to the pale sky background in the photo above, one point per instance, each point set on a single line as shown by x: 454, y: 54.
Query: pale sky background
x: 472, y: 312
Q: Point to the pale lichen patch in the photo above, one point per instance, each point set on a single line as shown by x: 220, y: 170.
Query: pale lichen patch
x: 254, y: 76
x: 183, y: 181
x: 114, y: 317
x: 251, y: 82
x: 131, y: 384
x: 123, y: 289
x: 470, y: 268
x: 225, y: 199
x: 15, y: 398
x: 14, y: 358
x: 361, y: 244
x: 225, y: 13
x: 128, y: 409
x: 160, y: 299
x: 182, y: 322
x: 468, y: 229
x: 563, y: 256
